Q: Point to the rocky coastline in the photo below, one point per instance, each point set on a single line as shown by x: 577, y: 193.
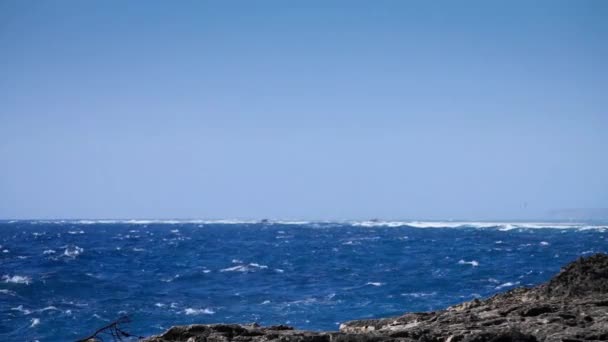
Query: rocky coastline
x: 571, y: 307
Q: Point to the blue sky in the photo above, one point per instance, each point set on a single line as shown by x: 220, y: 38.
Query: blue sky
x: 302, y: 109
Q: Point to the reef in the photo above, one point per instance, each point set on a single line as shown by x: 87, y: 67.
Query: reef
x: 571, y: 307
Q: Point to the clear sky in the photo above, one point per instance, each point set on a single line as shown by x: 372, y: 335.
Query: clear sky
x: 302, y: 109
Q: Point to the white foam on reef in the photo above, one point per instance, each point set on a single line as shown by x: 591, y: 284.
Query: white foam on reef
x: 205, y: 311
x: 73, y: 252
x: 473, y: 263
x: 503, y: 226
x: 151, y: 221
x: 17, y: 279
x: 500, y: 225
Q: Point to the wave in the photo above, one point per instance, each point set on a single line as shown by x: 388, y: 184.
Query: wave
x: 419, y: 294
x: 7, y: 292
x: 73, y: 252
x: 507, y: 284
x: 473, y: 263
x: 374, y: 283
x: 17, y: 279
x: 251, y: 267
x: 502, y: 225
x: 205, y: 311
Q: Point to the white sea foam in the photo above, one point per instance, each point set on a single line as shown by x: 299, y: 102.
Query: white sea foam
x: 419, y: 294
x: 49, y: 251
x: 22, y: 310
x: 7, y: 292
x: 17, y: 279
x: 503, y: 226
x: 473, y: 263
x: 251, y: 267
x: 507, y: 284
x: 205, y: 311
x: 35, y: 322
x: 73, y: 252
x: 372, y: 283
x: 74, y: 232
x: 544, y: 243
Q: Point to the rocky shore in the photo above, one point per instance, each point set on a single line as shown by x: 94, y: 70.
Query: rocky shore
x: 571, y: 307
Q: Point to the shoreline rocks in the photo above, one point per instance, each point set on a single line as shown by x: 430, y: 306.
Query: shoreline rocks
x: 572, y: 306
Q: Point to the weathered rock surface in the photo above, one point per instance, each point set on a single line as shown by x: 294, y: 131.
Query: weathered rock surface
x: 571, y: 307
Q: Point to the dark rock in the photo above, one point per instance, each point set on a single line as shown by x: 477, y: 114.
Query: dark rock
x: 572, y: 306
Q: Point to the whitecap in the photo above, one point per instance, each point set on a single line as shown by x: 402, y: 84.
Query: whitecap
x: 73, y: 252
x: 205, y: 311
x: 22, y: 310
x: 419, y: 294
x: 239, y: 268
x: 265, y: 302
x: 35, y: 322
x: 374, y: 283
x: 74, y: 232
x: 17, y: 279
x: 473, y: 263
x: 49, y: 251
x: 544, y: 243
x: 7, y: 292
x: 244, y: 268
x: 138, y: 249
x: 160, y: 305
x: 502, y: 226
x: 507, y: 284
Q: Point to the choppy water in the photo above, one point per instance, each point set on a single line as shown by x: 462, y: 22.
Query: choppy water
x: 61, y: 280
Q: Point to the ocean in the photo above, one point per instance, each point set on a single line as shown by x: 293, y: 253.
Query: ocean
x: 61, y: 280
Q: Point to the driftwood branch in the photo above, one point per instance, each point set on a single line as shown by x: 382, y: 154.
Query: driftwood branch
x: 114, y: 329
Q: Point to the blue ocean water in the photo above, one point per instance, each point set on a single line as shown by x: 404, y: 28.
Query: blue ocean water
x: 61, y: 280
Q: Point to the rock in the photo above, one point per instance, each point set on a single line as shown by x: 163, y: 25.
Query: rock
x: 572, y: 306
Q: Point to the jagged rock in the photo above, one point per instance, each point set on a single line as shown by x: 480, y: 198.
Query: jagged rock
x: 572, y: 306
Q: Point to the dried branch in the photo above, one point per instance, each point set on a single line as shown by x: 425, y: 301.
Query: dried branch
x: 114, y: 329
